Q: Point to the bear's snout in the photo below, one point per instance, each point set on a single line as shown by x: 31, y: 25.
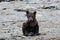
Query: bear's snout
x: 30, y: 19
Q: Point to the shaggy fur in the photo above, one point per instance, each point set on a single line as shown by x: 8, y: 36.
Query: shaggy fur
x: 30, y: 27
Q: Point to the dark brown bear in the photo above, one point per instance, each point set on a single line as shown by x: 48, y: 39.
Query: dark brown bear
x: 30, y: 27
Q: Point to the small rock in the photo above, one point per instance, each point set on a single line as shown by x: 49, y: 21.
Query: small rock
x: 37, y: 39
x: 21, y: 0
x: 3, y: 24
x: 49, y: 7
x: 51, y: 38
x: 22, y: 36
x: 20, y: 10
x: 4, y: 8
x: 43, y: 33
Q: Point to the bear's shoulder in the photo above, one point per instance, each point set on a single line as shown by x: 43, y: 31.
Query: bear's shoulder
x: 25, y: 23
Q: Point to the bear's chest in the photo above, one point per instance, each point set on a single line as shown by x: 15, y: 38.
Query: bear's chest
x: 33, y: 24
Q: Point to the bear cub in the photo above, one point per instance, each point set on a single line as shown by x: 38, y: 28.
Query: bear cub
x: 30, y: 27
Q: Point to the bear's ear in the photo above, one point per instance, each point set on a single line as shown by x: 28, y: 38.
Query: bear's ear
x: 27, y: 12
x: 34, y: 12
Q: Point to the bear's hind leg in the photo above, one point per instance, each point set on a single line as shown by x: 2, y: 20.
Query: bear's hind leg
x: 25, y: 33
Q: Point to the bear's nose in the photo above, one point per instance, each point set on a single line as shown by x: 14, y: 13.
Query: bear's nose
x: 30, y: 19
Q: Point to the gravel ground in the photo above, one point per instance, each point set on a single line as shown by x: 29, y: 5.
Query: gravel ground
x: 11, y: 21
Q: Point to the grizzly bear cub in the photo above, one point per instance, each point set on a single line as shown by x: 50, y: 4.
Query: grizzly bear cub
x: 30, y: 27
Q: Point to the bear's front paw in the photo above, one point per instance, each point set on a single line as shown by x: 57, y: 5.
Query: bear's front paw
x: 30, y: 34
